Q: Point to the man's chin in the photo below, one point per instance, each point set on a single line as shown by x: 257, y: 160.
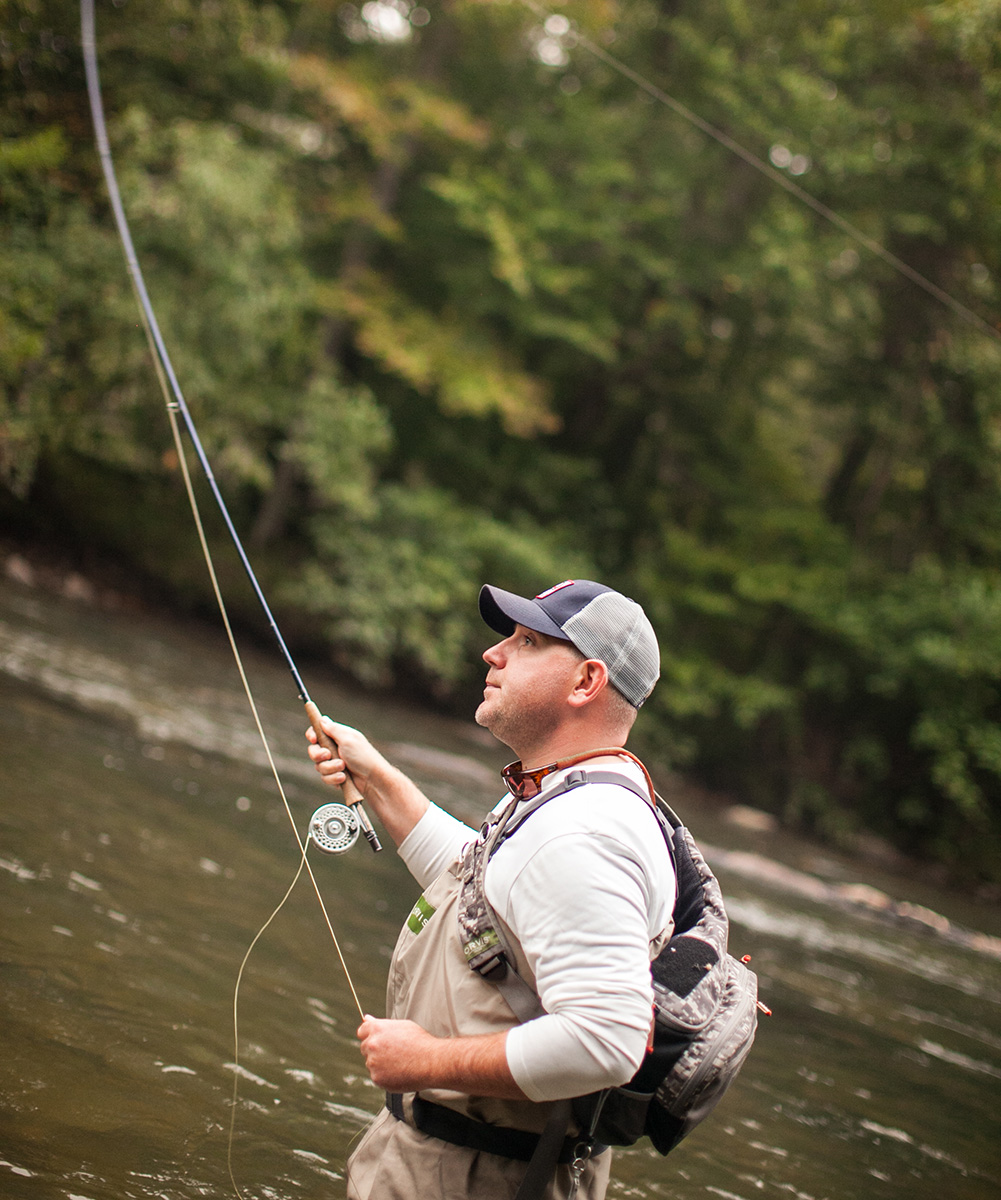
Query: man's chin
x: 490, y: 719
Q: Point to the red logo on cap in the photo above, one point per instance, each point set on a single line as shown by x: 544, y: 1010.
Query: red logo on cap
x: 556, y: 588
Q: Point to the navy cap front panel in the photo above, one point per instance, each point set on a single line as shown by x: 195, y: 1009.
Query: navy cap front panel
x: 546, y: 613
x: 503, y: 610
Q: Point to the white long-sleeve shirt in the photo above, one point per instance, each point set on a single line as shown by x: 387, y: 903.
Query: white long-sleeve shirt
x: 585, y: 884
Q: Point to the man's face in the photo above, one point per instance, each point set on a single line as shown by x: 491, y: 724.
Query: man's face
x: 526, y: 688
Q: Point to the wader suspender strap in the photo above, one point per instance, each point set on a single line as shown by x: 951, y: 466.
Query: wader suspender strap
x: 520, y: 997
x: 542, y: 1166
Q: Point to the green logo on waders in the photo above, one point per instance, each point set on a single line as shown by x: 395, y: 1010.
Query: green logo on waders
x: 420, y: 914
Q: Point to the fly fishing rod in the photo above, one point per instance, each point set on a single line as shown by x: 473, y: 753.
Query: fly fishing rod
x: 333, y: 827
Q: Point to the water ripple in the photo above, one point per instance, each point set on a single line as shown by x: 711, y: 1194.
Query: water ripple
x: 817, y: 934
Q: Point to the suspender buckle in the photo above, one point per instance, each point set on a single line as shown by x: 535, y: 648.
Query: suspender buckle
x: 490, y: 965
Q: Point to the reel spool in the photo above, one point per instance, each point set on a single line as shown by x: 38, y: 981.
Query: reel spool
x: 334, y: 828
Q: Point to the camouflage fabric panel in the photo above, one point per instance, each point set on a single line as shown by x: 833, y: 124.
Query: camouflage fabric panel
x: 709, y: 1064
x: 480, y: 940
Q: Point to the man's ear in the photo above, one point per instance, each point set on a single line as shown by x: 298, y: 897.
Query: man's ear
x: 590, y: 679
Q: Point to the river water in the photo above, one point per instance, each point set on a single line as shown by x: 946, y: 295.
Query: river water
x: 143, y: 844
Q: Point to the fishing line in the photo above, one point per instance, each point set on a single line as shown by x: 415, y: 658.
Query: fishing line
x: 783, y: 181
x: 174, y: 401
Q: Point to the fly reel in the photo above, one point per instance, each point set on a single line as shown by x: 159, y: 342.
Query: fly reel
x: 334, y: 828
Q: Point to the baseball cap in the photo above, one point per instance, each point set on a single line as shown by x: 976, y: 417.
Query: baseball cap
x: 599, y: 621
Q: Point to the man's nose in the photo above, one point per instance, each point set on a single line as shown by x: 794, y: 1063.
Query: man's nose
x: 493, y: 656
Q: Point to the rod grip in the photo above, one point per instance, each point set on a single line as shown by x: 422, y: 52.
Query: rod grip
x: 349, y: 788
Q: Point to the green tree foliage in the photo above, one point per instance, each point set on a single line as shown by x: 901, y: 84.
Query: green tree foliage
x: 453, y: 299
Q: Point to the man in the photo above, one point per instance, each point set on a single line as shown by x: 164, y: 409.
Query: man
x: 584, y: 890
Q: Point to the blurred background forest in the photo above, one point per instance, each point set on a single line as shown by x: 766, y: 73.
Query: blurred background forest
x: 453, y: 300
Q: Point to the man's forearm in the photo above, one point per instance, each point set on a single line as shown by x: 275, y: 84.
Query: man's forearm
x: 396, y: 800
x: 475, y: 1065
x: 403, y: 1057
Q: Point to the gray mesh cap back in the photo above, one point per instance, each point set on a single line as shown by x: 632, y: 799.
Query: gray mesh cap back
x: 600, y: 622
x: 615, y: 630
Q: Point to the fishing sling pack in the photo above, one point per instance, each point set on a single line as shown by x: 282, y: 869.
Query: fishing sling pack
x: 705, y: 1000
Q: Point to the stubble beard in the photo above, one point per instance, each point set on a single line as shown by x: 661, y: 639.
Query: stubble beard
x: 520, y: 726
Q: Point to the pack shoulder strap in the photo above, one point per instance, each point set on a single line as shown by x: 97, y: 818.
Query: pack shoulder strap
x: 520, y: 995
x: 481, y: 932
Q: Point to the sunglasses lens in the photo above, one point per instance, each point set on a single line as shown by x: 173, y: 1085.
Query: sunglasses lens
x: 529, y: 787
x: 524, y: 785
